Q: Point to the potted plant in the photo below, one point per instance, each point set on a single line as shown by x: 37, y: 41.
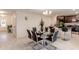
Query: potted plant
x: 61, y: 24
x: 9, y: 27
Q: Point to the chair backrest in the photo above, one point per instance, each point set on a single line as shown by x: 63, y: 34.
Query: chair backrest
x: 52, y: 30
x: 46, y: 29
x: 55, y: 36
x: 34, y: 37
x: 29, y: 33
x: 34, y: 29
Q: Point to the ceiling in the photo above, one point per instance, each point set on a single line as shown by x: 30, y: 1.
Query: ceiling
x: 39, y: 11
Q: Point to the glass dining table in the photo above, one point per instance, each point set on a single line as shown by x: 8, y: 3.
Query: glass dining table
x: 44, y: 35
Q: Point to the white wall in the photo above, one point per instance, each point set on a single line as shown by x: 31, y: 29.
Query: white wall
x: 33, y: 20
x: 54, y: 19
x: 9, y: 21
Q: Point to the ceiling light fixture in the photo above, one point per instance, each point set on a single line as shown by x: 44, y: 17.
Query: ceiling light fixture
x: 46, y: 12
x: 50, y: 12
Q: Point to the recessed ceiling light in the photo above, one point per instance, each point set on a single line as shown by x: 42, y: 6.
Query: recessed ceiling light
x: 76, y: 12
x: 73, y: 9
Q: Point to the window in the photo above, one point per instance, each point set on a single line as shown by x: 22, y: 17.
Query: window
x: 2, y: 22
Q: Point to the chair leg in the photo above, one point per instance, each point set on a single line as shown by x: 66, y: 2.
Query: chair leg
x: 37, y: 46
x: 50, y: 46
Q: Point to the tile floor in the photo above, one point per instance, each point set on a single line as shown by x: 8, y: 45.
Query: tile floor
x: 9, y: 42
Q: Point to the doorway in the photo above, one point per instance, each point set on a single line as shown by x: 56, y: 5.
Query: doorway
x: 7, y: 24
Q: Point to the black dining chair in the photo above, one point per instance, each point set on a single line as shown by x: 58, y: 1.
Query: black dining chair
x: 34, y: 29
x: 30, y: 37
x: 36, y: 39
x: 29, y: 34
x: 52, y: 30
x: 46, y: 29
x: 51, y: 40
x: 55, y: 36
